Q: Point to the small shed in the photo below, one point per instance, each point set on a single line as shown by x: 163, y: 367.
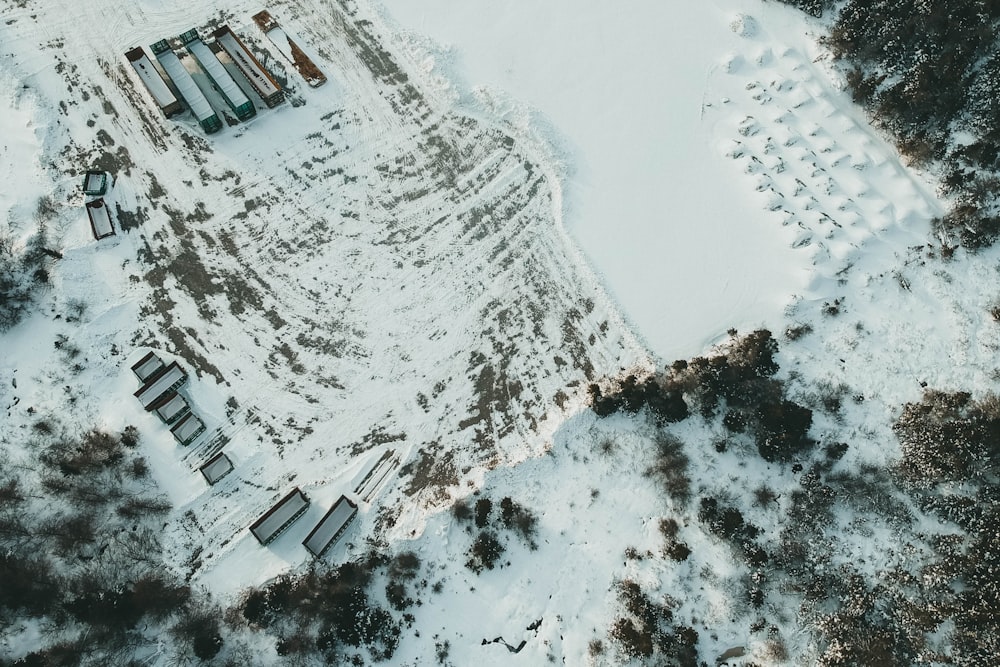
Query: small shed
x: 331, y: 527
x: 280, y: 517
x: 95, y: 183
x: 100, y: 219
x: 187, y: 429
x: 216, y: 468
x: 171, y: 407
x: 162, y: 382
x: 145, y: 367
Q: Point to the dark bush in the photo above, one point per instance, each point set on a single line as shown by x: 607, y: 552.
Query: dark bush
x: 783, y: 430
x: 483, y: 508
x: 670, y: 467
x: 199, y: 627
x: 404, y: 566
x: 30, y: 584
x: 461, y: 510
x: 485, y: 552
x: 130, y: 436
x: 519, y: 519
x: 948, y: 437
x: 635, y: 642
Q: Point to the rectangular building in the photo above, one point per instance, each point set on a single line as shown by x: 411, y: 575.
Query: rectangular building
x: 287, y: 47
x: 216, y: 468
x: 280, y: 517
x: 259, y: 78
x: 100, y: 219
x: 219, y: 75
x: 187, y: 429
x: 331, y: 527
x: 153, y: 80
x: 196, y: 100
x: 159, y: 384
x: 146, y: 366
x: 171, y: 407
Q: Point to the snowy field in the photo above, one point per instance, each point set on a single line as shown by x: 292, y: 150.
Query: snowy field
x: 658, y: 111
x: 488, y: 206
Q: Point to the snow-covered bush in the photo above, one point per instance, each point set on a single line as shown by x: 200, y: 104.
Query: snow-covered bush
x: 948, y: 437
x: 929, y: 73
x: 22, y: 272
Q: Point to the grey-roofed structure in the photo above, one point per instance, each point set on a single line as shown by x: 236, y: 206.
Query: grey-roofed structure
x: 145, y: 367
x: 216, y: 468
x: 187, y: 429
x: 279, y: 517
x: 171, y: 407
x: 219, y: 75
x: 196, y: 100
x: 331, y: 527
x: 159, y: 384
x: 259, y: 78
x: 154, y: 82
x: 100, y: 219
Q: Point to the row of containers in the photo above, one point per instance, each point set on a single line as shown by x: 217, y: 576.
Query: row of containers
x: 286, y: 511
x: 160, y: 394
x: 174, y: 82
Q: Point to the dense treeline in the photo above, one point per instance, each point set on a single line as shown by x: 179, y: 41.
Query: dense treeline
x: 81, y: 558
x: 929, y: 73
x: 936, y: 598
x: 738, y: 382
x: 80, y: 552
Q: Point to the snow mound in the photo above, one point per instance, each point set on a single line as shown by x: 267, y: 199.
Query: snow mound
x: 744, y: 26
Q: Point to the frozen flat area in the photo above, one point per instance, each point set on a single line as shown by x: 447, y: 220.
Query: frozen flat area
x: 644, y: 105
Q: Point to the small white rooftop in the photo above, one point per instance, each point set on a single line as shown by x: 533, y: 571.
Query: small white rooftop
x: 268, y: 525
x: 187, y: 427
x: 154, y: 82
x: 216, y: 468
x: 100, y: 219
x: 162, y: 383
x: 172, y: 408
x: 219, y: 74
x: 326, y: 531
x: 189, y: 89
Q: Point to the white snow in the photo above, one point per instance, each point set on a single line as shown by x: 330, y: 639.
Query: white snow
x: 652, y: 106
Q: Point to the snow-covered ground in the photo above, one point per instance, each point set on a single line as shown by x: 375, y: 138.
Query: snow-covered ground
x: 384, y: 267
x: 647, y: 105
